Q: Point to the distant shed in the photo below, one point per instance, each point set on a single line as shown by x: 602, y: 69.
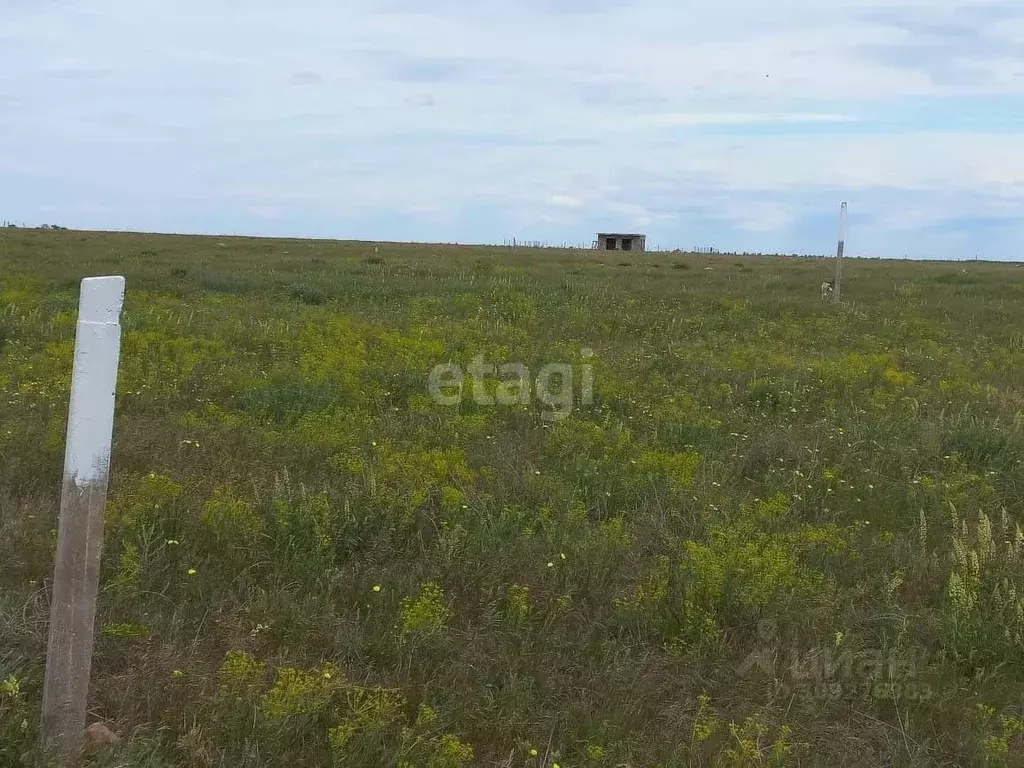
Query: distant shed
x: 617, y: 241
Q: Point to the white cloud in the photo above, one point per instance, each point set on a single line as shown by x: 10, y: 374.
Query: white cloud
x: 565, y: 202
x: 736, y: 115
x: 741, y: 118
x: 764, y: 217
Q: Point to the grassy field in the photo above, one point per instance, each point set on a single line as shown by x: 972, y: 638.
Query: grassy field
x: 781, y: 532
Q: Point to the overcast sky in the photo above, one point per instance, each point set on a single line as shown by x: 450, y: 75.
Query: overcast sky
x: 739, y: 124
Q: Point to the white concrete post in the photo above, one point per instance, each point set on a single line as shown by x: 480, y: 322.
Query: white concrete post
x: 80, y: 534
x: 837, y: 293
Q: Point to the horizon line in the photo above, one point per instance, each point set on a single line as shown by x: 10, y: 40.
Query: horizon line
x: 9, y: 226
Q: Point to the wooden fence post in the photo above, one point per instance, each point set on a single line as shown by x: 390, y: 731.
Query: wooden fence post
x: 80, y: 534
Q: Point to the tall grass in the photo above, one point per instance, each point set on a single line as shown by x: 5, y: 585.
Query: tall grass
x: 783, y: 532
